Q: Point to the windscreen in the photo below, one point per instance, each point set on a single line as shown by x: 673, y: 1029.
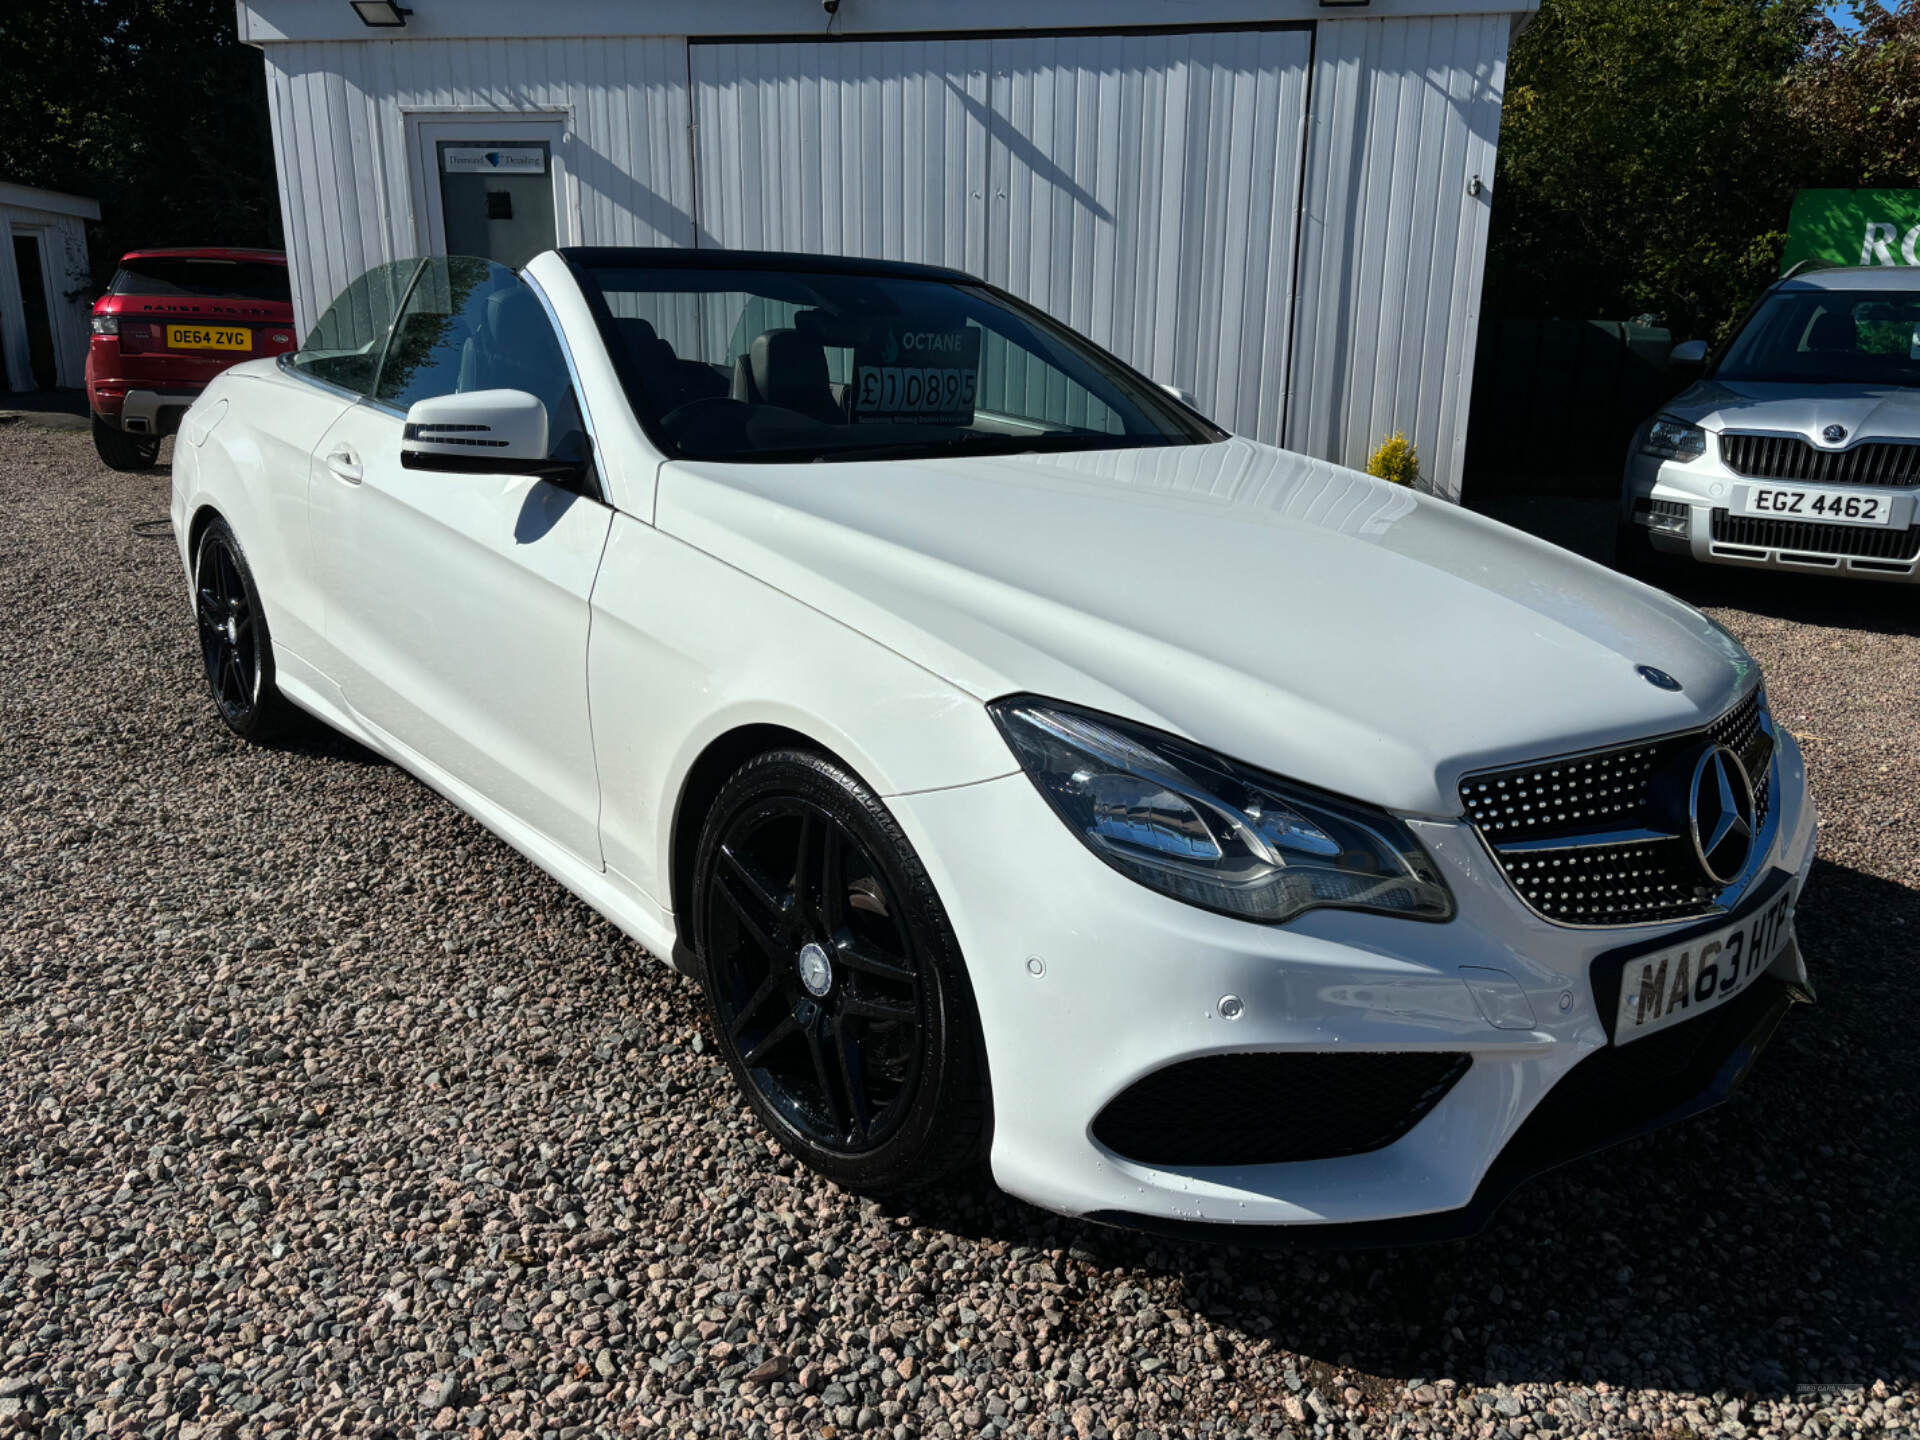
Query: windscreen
x: 188, y: 275
x: 794, y: 365
x: 1832, y: 337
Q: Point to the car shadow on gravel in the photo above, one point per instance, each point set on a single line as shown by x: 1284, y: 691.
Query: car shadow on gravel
x: 1770, y: 1245
x: 315, y: 741
x: 1874, y: 605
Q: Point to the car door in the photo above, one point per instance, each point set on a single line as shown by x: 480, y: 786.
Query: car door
x: 314, y: 385
x: 457, y: 604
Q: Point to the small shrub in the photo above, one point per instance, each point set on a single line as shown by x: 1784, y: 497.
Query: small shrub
x: 1396, y: 461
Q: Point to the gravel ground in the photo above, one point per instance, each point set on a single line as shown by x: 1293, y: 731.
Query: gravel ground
x: 325, y: 1113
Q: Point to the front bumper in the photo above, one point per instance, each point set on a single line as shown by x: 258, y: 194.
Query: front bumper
x: 1086, y: 983
x: 1704, y: 489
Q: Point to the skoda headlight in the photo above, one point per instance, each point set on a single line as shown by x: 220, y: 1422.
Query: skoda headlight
x: 1671, y: 439
x: 1202, y: 829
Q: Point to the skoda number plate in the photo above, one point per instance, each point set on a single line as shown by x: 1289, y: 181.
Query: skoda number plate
x: 1676, y: 984
x: 1823, y: 507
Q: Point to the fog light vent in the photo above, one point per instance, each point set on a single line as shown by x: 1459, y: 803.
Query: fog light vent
x: 1669, y: 516
x: 1274, y: 1108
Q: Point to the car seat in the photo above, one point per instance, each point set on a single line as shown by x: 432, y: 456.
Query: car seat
x: 788, y: 369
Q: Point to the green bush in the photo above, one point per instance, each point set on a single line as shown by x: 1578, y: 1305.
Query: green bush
x: 1396, y: 461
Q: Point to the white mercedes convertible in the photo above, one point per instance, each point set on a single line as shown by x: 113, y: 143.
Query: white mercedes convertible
x: 1030, y: 773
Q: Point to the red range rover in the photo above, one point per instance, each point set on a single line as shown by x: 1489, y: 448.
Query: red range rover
x: 169, y: 323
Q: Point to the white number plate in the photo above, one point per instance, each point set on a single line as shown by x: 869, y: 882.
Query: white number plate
x: 1674, y: 985
x: 1828, y: 507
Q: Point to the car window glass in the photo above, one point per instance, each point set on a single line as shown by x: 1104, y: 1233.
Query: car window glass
x: 343, y: 348
x: 472, y: 324
x: 795, y: 364
x: 194, y: 275
x: 1829, y: 337
x: 1019, y: 385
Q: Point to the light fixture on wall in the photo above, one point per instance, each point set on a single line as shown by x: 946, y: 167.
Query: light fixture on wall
x: 380, y: 14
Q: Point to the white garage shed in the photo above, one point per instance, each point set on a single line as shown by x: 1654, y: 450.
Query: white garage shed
x: 44, y: 295
x: 1277, y: 205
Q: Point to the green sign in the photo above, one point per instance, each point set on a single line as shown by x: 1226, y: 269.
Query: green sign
x: 1854, y: 227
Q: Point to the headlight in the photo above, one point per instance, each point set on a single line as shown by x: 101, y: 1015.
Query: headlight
x: 106, y: 324
x: 1670, y: 439
x: 1202, y: 829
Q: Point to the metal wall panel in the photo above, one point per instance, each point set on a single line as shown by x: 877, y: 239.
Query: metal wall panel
x: 1142, y: 188
x: 876, y: 148
x: 1393, y: 245
x: 340, y: 113
x: 1145, y: 190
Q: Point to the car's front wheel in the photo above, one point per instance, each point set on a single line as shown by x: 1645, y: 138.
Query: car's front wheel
x: 835, y: 985
x: 235, y: 647
x: 121, y: 451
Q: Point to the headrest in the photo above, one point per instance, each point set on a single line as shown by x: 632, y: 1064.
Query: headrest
x: 790, y: 369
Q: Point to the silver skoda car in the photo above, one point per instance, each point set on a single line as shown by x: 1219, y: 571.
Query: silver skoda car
x: 1799, y: 448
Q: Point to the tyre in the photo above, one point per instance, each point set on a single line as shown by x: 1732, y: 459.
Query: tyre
x: 835, y: 986
x: 121, y: 451
x: 234, y: 642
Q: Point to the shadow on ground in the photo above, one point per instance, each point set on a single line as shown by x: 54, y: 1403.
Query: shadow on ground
x: 1771, y: 1243
x: 1586, y: 527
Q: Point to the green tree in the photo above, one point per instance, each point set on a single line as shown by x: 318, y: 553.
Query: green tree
x: 1648, y: 158
x: 153, y: 107
x: 1857, y: 93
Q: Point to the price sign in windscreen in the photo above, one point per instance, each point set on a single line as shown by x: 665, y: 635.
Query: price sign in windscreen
x: 912, y: 373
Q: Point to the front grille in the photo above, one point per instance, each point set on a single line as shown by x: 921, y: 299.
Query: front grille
x: 1272, y: 1109
x: 1582, y: 838
x: 1786, y: 457
x: 1811, y: 538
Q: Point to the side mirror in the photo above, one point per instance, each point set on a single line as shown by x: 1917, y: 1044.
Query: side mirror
x: 1185, y: 397
x: 483, y: 432
x: 1689, y: 352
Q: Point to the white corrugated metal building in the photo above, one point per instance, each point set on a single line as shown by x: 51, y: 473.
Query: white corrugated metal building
x: 44, y: 279
x: 1278, y: 205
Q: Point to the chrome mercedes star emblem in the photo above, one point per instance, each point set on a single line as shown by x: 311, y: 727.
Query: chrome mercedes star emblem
x: 1656, y: 677
x: 1834, y: 434
x: 1720, y: 814
x: 816, y: 970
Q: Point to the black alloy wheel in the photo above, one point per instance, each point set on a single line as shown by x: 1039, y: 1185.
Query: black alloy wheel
x: 234, y: 644
x: 833, y: 980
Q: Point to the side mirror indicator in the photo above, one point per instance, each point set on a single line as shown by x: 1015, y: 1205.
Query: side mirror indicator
x: 484, y: 432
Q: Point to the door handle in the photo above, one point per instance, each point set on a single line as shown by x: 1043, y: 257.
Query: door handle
x: 345, y: 464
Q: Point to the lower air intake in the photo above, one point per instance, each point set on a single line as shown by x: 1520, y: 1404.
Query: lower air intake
x: 1274, y: 1108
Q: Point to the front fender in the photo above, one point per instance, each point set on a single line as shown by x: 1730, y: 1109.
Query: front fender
x: 249, y: 462
x: 685, y: 649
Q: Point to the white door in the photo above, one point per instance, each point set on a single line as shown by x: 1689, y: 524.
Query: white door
x: 456, y: 611
x: 494, y: 186
x: 1144, y: 189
